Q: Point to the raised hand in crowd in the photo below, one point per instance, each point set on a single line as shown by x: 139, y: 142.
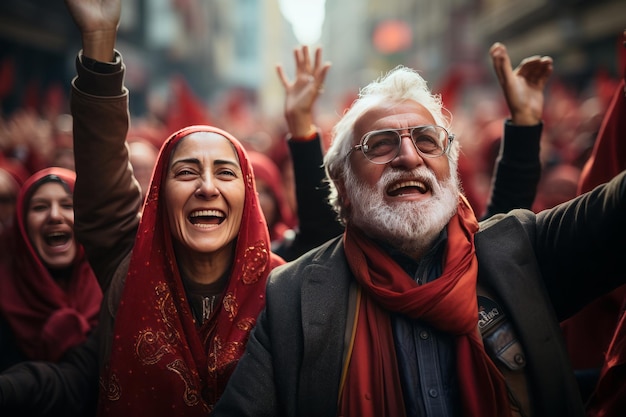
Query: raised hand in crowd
x: 518, y: 168
x: 302, y: 93
x: 523, y: 87
x: 317, y: 222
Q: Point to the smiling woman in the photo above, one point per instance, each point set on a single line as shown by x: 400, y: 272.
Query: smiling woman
x: 184, y: 285
x: 50, y: 221
x: 204, y: 166
x: 49, y: 296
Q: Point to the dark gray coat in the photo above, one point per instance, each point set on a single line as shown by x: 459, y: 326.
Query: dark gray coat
x: 542, y: 268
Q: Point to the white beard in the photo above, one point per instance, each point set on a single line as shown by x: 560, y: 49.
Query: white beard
x: 411, y: 226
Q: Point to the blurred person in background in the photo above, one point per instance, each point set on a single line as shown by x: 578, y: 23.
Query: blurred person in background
x: 558, y: 184
x: 49, y: 296
x: 278, y: 215
x: 9, y: 187
x: 143, y: 156
x: 26, y: 140
x: 63, y: 153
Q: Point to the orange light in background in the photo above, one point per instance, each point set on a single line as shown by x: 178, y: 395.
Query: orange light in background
x: 391, y: 36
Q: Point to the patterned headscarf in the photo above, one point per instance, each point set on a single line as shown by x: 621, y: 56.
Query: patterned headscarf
x: 161, y: 363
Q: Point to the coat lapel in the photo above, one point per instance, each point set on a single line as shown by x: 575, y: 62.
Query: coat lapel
x: 324, y: 308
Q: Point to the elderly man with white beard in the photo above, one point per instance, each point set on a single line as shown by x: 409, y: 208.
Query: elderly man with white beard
x: 418, y: 309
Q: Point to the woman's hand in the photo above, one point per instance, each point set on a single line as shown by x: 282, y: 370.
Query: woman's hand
x: 97, y: 21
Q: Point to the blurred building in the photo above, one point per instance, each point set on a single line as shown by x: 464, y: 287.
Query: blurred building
x: 235, y: 44
x: 365, y: 39
x: 582, y: 36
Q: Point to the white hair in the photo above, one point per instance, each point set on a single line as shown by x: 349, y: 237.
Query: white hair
x: 398, y: 85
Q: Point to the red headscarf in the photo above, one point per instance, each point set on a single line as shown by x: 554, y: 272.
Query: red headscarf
x: 372, y: 386
x: 161, y: 364
x: 266, y: 170
x: 46, y: 318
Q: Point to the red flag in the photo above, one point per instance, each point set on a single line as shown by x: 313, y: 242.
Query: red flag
x: 609, y: 152
x: 451, y: 87
x: 184, y: 109
x: 608, y: 159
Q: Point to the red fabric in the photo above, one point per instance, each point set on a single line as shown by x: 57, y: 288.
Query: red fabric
x: 607, y: 160
x: 448, y: 303
x: 7, y: 76
x: 184, y: 108
x: 265, y: 169
x: 46, y: 319
x: 31, y: 99
x: 161, y: 364
x: 609, y: 399
x: 609, y: 153
x: 588, y: 333
x: 451, y: 86
x: 54, y: 100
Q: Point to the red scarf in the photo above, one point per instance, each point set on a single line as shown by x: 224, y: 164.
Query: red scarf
x: 372, y: 386
x: 46, y: 318
x: 161, y: 364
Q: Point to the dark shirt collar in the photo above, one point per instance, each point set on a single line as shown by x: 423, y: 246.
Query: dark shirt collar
x: 428, y: 267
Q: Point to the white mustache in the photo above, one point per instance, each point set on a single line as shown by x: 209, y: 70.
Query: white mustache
x: 422, y: 174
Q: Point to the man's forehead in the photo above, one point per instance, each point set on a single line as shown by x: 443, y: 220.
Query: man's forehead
x: 392, y: 115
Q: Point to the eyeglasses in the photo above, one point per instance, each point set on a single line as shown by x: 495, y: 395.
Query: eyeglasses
x: 382, y: 146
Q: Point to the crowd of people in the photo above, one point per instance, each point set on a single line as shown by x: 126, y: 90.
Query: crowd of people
x: 187, y: 271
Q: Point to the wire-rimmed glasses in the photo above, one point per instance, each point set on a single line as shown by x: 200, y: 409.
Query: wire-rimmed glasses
x: 382, y: 146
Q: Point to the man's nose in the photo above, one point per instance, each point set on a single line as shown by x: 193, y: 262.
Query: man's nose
x: 408, y: 155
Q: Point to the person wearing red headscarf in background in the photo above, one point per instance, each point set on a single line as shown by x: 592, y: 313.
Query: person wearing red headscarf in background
x: 269, y: 185
x: 596, y: 337
x: 49, y: 296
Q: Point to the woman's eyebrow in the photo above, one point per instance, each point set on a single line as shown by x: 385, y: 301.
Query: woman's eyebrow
x: 195, y: 161
x: 226, y: 162
x: 216, y: 162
